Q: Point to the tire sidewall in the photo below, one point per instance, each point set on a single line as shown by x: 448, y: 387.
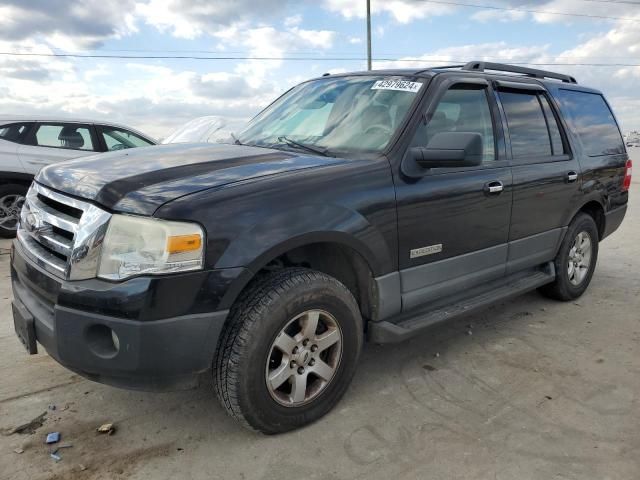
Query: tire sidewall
x: 256, y: 403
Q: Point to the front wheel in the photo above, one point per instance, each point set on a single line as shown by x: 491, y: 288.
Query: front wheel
x: 288, y: 351
x: 576, y: 260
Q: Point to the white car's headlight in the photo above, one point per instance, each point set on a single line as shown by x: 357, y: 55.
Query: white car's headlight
x: 139, y: 245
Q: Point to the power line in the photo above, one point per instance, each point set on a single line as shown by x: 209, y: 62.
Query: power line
x: 525, y: 10
x: 313, y: 59
x: 320, y: 53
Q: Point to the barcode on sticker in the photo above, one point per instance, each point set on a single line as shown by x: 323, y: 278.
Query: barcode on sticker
x: 400, y: 85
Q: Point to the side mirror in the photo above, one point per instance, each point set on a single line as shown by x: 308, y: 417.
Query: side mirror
x: 450, y: 149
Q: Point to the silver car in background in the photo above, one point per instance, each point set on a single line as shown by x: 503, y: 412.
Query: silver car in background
x: 29, y: 143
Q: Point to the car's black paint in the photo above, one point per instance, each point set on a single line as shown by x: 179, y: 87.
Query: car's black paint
x: 141, y: 180
x: 144, y: 299
x: 256, y: 204
x: 350, y: 203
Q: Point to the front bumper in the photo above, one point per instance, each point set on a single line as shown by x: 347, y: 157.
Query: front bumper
x: 151, y: 333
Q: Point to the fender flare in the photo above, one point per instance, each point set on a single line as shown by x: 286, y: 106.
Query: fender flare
x: 16, y: 177
x: 305, y: 225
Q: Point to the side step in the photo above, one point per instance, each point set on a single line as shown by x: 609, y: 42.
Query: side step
x: 414, y: 323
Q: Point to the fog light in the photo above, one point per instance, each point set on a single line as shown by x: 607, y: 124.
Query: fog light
x: 102, y: 341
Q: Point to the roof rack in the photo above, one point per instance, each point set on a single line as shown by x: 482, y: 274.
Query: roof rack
x: 476, y: 66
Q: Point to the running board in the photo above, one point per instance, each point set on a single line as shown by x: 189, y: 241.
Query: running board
x: 413, y: 323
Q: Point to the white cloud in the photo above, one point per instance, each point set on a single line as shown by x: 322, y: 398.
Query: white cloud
x: 267, y: 45
x: 69, y: 25
x: 193, y: 18
x: 403, y: 11
x: 496, y: 51
x: 406, y: 11
x: 293, y: 21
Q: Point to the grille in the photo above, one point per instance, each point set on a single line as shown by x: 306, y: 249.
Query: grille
x: 60, y: 233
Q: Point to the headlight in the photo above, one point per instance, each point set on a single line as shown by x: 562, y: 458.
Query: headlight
x: 139, y: 245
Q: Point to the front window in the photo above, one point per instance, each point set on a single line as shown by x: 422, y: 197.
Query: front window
x: 335, y: 114
x: 463, y: 108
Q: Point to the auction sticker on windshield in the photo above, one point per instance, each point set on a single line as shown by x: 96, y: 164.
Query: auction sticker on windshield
x: 400, y: 85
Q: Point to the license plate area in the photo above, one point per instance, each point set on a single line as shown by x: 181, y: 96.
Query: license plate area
x: 24, y: 325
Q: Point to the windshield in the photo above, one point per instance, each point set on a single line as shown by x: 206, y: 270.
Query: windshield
x: 335, y: 114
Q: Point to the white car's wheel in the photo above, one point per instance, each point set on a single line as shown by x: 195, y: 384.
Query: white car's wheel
x: 11, y: 201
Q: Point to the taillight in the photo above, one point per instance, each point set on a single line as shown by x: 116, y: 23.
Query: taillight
x: 626, y: 183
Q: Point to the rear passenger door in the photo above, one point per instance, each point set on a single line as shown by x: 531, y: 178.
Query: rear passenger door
x: 452, y: 226
x: 546, y: 175
x: 51, y: 142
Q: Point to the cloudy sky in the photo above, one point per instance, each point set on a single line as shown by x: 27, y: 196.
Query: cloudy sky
x: 251, y: 50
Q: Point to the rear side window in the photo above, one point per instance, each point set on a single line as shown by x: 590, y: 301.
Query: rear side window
x: 593, y: 121
x: 554, y: 129
x: 64, y: 135
x: 15, y: 132
x: 527, y: 124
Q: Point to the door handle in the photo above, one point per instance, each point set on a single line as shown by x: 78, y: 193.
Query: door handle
x: 572, y: 177
x: 494, y: 188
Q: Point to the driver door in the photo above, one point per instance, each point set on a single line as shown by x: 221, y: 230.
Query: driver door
x: 453, y: 228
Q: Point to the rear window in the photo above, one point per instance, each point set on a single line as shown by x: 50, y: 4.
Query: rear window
x: 593, y: 121
x: 15, y: 132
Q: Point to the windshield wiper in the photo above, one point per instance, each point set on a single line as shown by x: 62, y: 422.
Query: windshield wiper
x: 235, y: 139
x: 308, y: 148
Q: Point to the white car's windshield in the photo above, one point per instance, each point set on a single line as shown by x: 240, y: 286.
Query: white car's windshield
x: 201, y: 129
x: 359, y: 113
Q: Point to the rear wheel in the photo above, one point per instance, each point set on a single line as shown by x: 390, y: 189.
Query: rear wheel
x: 288, y: 351
x: 576, y: 260
x: 11, y: 200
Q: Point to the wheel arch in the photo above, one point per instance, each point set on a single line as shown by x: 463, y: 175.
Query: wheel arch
x: 595, y: 209
x: 334, y: 253
x: 7, y: 178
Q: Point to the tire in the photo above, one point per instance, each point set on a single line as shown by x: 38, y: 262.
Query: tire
x: 11, y: 200
x: 571, y: 282
x: 247, y: 354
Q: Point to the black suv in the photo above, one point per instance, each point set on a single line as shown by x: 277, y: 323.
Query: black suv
x: 370, y: 204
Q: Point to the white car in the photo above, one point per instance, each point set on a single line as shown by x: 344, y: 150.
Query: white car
x: 209, y: 129
x: 29, y: 143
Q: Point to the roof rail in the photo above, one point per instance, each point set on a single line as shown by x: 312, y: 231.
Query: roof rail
x: 476, y: 66
x: 441, y: 67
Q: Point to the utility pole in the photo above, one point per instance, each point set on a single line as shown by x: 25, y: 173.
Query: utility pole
x: 368, y: 34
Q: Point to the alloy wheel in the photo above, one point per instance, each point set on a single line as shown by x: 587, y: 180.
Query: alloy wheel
x: 304, y: 358
x: 10, y: 206
x: 579, y: 258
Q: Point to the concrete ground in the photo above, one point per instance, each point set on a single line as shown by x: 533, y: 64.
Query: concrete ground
x: 534, y: 389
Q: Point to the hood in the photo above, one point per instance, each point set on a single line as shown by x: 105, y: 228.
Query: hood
x: 140, y: 180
